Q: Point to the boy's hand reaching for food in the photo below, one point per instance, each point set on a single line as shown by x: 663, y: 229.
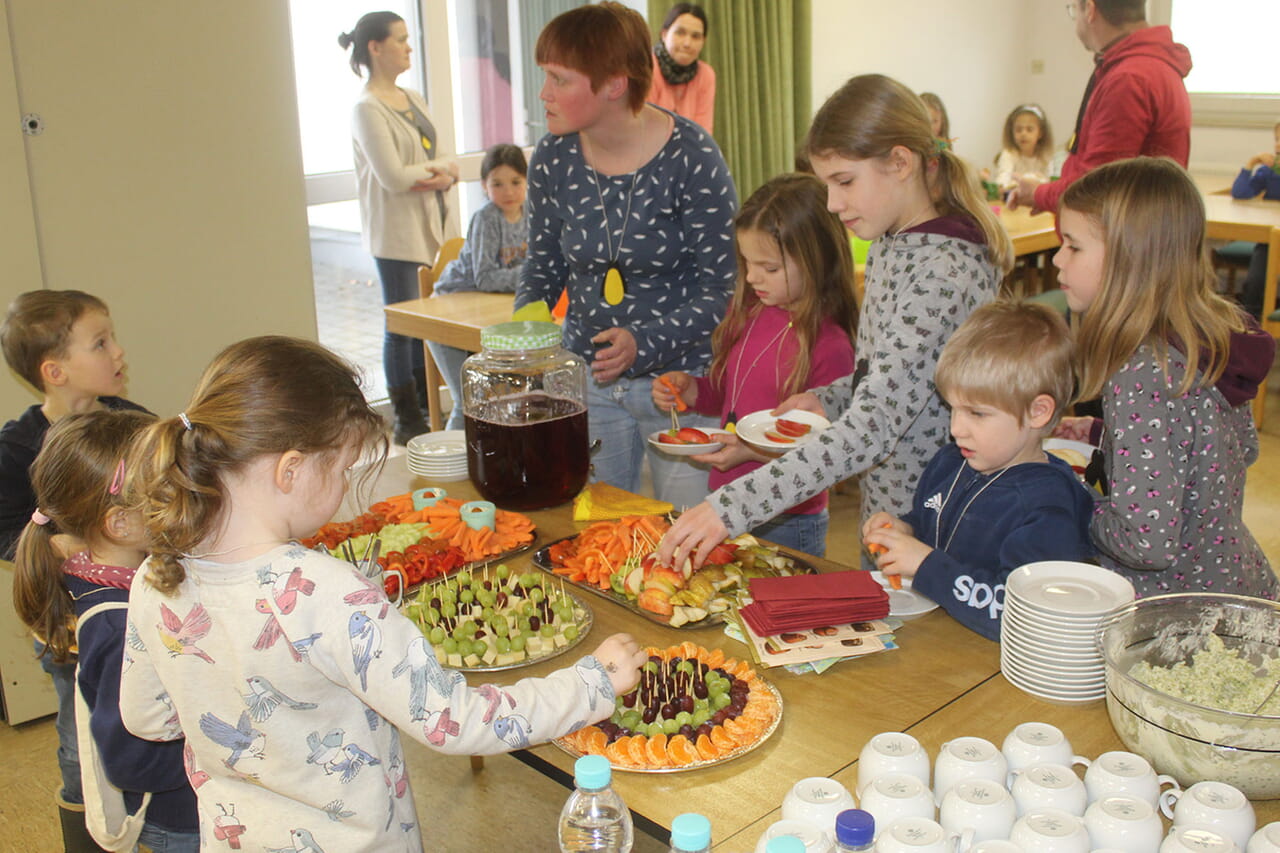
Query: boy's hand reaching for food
x: 694, y: 534
x: 622, y: 658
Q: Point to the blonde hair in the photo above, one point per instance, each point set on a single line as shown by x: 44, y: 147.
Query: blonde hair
x: 791, y: 210
x: 38, y: 327
x: 1157, y: 280
x: 933, y: 102
x: 72, y: 479
x: 258, y: 397
x: 1044, y: 145
x: 872, y: 114
x: 1006, y: 354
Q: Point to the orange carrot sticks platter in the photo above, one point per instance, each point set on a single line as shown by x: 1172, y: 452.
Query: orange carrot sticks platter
x: 693, y: 708
x: 615, y: 560
x: 428, y: 542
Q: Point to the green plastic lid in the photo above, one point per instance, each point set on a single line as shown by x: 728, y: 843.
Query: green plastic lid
x: 520, y: 335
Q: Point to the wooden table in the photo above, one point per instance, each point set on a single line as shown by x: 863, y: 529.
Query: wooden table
x: 943, y: 681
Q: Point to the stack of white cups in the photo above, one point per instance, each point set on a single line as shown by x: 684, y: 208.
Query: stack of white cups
x: 1027, y: 796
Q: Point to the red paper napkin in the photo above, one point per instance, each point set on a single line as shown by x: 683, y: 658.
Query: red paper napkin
x: 801, y: 602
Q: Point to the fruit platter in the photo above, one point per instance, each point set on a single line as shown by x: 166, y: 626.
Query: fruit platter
x: 496, y: 619
x: 773, y: 435
x: 418, y: 545
x: 693, y: 708
x: 615, y: 560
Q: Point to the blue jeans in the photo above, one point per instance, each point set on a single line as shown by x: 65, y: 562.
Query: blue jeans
x: 401, y: 356
x: 64, y: 684
x: 804, y: 533
x: 449, y: 362
x: 160, y: 840
x: 622, y: 415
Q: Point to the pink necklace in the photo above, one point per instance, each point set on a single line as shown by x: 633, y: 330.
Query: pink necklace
x: 739, y: 381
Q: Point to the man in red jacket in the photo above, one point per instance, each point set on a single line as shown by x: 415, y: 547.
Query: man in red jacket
x: 1135, y: 103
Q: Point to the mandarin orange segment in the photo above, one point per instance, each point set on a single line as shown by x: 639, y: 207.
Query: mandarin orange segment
x: 596, y: 741
x: 722, y: 739
x: 672, y: 652
x: 707, y: 750
x: 741, y: 669
x: 637, y: 750
x: 690, y: 650
x: 713, y: 658
x: 616, y: 752
x: 681, y: 751
x: 739, y: 731
x: 656, y: 752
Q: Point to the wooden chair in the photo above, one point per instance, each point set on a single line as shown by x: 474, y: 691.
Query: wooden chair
x: 427, y: 276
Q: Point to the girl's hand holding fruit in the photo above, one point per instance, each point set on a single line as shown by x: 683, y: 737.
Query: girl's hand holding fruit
x: 622, y: 658
x: 675, y: 389
x: 734, y: 453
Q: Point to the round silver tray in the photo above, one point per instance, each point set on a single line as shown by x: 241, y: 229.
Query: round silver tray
x: 697, y: 765
x: 584, y: 628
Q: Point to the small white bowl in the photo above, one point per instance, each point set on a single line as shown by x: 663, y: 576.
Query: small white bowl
x: 753, y: 427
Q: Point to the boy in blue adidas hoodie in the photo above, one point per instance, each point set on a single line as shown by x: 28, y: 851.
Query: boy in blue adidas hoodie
x: 993, y: 500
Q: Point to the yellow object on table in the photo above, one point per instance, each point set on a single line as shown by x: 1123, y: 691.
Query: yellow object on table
x: 603, y: 502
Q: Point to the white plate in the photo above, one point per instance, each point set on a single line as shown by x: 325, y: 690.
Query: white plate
x: 1070, y: 657
x: 1084, y: 449
x: 1057, y: 696
x: 905, y: 601
x: 435, y: 443
x: 686, y: 449
x: 1079, y: 589
x: 1054, y: 632
x: 1048, y: 681
x: 752, y: 428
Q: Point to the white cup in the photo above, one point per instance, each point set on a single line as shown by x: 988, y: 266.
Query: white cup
x: 980, y: 805
x: 1125, y: 823
x: 1197, y: 839
x: 1050, y: 831
x: 1265, y: 840
x: 1036, y: 743
x: 896, y: 795
x: 892, y: 752
x: 1213, y: 805
x: 967, y: 758
x: 1124, y: 774
x: 999, y: 845
x: 817, y: 800
x: 915, y: 835
x: 1054, y: 786
x: 814, y: 839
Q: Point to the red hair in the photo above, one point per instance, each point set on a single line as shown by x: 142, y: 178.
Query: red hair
x: 601, y: 41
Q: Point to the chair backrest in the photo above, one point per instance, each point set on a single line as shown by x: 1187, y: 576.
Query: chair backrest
x: 427, y: 275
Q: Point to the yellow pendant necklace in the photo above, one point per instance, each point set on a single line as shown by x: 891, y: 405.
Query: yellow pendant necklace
x: 614, y: 286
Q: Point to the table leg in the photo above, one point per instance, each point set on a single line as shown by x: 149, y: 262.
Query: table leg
x: 433, y: 389
x: 1268, y: 306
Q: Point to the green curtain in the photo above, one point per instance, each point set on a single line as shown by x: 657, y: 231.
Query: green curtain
x: 760, y: 50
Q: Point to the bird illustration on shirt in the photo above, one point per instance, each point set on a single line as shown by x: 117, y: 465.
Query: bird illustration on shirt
x: 593, y: 675
x: 240, y: 738
x: 271, y: 630
x: 332, y: 753
x: 303, y: 842
x: 181, y: 635
x: 366, y: 644
x: 304, y: 645
x: 263, y: 698
x: 194, y: 776
x: 494, y: 696
x: 370, y: 594
x: 438, y: 728
x: 285, y: 588
x: 423, y: 668
x: 513, y: 730
x: 337, y: 811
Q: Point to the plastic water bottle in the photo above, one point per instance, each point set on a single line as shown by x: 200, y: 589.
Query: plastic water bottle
x: 690, y: 833
x: 784, y: 844
x: 855, y: 830
x: 594, y: 818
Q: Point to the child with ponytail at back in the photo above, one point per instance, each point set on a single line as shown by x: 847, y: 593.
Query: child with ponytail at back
x: 288, y: 670
x: 78, y: 480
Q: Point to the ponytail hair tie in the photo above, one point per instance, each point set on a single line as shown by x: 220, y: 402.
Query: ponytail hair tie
x: 39, y: 518
x: 117, y: 481
x: 186, y: 421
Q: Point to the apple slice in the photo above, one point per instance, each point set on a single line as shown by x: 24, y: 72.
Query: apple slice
x: 666, y: 437
x: 689, y: 435
x: 778, y: 437
x: 792, y: 428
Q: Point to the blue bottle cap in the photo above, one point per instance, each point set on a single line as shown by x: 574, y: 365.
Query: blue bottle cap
x: 855, y: 826
x: 690, y: 832
x: 592, y: 771
x: 784, y: 844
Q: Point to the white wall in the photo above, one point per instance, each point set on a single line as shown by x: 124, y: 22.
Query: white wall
x: 981, y: 57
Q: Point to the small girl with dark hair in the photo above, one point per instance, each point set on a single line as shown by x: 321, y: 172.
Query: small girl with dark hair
x: 682, y: 82
x: 79, y: 480
x: 287, y: 670
x: 1027, y: 146
x: 492, y: 256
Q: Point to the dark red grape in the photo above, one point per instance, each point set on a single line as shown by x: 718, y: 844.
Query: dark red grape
x: 629, y: 699
x: 700, y: 689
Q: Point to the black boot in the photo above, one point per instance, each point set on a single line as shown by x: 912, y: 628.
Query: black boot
x: 408, y: 415
x: 75, y: 835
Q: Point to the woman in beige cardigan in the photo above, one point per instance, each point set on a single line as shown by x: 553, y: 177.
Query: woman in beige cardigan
x: 401, y: 180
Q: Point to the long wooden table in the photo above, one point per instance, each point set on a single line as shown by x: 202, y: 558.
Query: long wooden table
x: 942, y: 682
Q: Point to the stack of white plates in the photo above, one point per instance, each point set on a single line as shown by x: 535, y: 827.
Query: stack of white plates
x: 439, y: 456
x: 1048, y: 637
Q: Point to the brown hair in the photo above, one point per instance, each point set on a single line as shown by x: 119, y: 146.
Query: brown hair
x: 872, y: 114
x: 1005, y: 355
x: 71, y: 478
x: 686, y: 9
x: 1044, y: 146
x: 372, y: 26
x: 601, y: 40
x: 792, y: 210
x: 258, y: 397
x: 1120, y: 12
x: 38, y: 327
x: 1157, y: 280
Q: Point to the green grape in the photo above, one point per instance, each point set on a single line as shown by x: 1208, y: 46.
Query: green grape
x: 720, y: 700
x: 500, y: 627
x: 470, y: 628
x: 502, y: 644
x: 685, y: 666
x: 631, y: 719
x: 700, y: 716
x: 486, y: 613
x: 502, y: 571
x: 684, y: 718
x: 517, y: 643
x: 464, y: 579
x: 460, y: 632
x: 479, y: 647
x: 467, y: 596
x: 437, y: 635
x: 548, y: 630
x: 450, y: 646
x: 449, y: 610
x: 571, y: 632
x: 670, y: 727
x: 650, y: 666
